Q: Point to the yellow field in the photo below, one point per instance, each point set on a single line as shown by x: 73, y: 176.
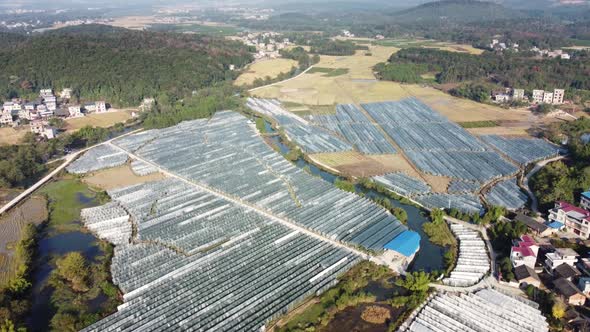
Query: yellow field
x: 98, y: 120
x: 360, y: 86
x: 10, y: 136
x: 118, y: 177
x: 266, y: 68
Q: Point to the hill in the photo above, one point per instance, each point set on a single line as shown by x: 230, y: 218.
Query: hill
x: 455, y: 11
x: 118, y: 65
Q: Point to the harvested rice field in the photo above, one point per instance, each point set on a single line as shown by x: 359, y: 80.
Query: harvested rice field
x: 117, y: 177
x: 103, y: 120
x: 266, y: 68
x: 33, y: 210
x: 10, y: 136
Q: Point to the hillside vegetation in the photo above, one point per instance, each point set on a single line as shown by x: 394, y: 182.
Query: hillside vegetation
x: 117, y: 65
x: 456, y: 11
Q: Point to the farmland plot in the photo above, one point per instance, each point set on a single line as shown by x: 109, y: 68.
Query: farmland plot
x: 522, y: 150
x: 507, y: 194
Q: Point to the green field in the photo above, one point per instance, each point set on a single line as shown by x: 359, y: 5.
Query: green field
x: 479, y: 124
x: 328, y: 72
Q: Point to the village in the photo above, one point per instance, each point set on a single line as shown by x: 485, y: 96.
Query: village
x: 37, y: 114
x: 267, y: 44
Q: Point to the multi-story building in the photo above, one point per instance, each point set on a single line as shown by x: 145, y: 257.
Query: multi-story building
x: 66, y: 93
x: 558, y: 95
x: 560, y: 256
x: 524, y: 252
x: 575, y: 219
x: 538, y: 96
x: 44, y: 93
x: 6, y: 118
x: 44, y: 112
x: 548, y: 97
x: 75, y: 111
x: 517, y: 94
x: 585, y: 200
x: 90, y: 107
x: 101, y: 106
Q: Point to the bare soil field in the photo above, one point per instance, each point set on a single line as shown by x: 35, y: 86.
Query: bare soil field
x: 9, y: 136
x: 117, y: 177
x: 98, y: 119
x: 6, y: 195
x: 32, y: 210
x: 266, y: 68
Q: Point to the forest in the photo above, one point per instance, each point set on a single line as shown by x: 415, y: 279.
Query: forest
x: 118, y: 65
x: 505, y: 70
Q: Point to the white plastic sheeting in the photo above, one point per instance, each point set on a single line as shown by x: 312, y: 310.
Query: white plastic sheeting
x: 97, y: 158
x: 473, y: 262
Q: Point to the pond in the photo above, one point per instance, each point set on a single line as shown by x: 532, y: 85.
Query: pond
x: 54, y: 244
x: 430, y: 255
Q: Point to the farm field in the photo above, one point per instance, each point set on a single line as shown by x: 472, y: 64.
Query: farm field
x: 266, y: 68
x: 98, y: 120
x: 10, y: 136
x: 33, y: 210
x: 359, y: 86
x: 117, y: 177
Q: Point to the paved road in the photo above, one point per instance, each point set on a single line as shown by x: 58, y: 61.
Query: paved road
x: 250, y: 206
x: 525, y: 182
x: 67, y: 160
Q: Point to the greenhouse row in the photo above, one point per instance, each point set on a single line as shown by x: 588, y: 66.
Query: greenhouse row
x: 110, y: 222
x: 404, y: 111
x: 463, y: 187
x: 473, y: 262
x: 352, y: 124
x: 473, y: 166
x: 466, y: 203
x: 522, y: 150
x: 100, y: 157
x: 227, y: 155
x: 507, y: 194
x: 240, y: 286
x: 402, y: 184
x: 482, y: 311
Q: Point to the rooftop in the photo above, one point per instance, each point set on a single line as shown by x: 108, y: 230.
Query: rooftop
x: 407, y: 243
x: 523, y: 271
x: 531, y: 223
x: 565, y: 271
x: 586, y: 194
x: 566, y: 287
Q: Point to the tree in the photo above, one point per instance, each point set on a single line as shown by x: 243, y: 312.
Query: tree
x: 73, y: 268
x: 437, y: 216
x: 415, y: 281
x: 63, y: 321
x: 58, y: 123
x: 558, y: 309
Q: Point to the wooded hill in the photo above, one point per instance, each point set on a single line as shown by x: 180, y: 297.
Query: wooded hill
x: 456, y: 11
x: 118, y: 65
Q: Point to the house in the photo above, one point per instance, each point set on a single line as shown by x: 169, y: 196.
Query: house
x: 50, y: 99
x: 558, y: 95
x: 43, y: 93
x: 569, y: 292
x: 30, y: 106
x: 524, y: 252
x: 517, y: 94
x: 75, y: 111
x: 560, y: 256
x: 66, y: 93
x: 61, y: 112
x: 101, y: 106
x: 6, y: 118
x: 90, y: 107
x: 565, y: 56
x: 52, y: 106
x: 575, y: 219
x: 566, y: 271
x: 584, y: 285
x: 538, y: 96
x: 533, y: 225
x: 585, y: 200
x: 44, y: 112
x: 548, y: 97
x: 41, y: 128
x: 7, y: 106
x: 527, y: 276
x: 500, y: 97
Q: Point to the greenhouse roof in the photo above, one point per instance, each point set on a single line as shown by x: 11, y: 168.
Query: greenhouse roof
x: 407, y: 243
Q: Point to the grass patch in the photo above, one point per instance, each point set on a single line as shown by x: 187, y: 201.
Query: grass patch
x: 328, y: 72
x: 260, y: 125
x: 67, y: 198
x: 439, y: 234
x: 479, y: 124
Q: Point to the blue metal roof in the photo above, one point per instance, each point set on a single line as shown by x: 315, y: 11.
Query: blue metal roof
x: 586, y: 194
x: 407, y: 243
x: 555, y: 225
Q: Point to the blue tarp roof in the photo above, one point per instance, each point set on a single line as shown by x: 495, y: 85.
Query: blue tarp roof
x: 586, y: 194
x: 555, y: 225
x: 407, y: 243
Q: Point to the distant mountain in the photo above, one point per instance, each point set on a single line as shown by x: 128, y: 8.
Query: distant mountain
x: 456, y: 11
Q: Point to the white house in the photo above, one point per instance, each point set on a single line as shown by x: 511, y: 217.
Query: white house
x: 560, y: 256
x: 558, y: 95
x: 538, y: 96
x: 524, y: 252
x: 75, y: 111
x: 6, y: 118
x: 548, y: 97
x: 44, y: 93
x: 66, y: 93
x: 101, y: 106
x: 90, y: 107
